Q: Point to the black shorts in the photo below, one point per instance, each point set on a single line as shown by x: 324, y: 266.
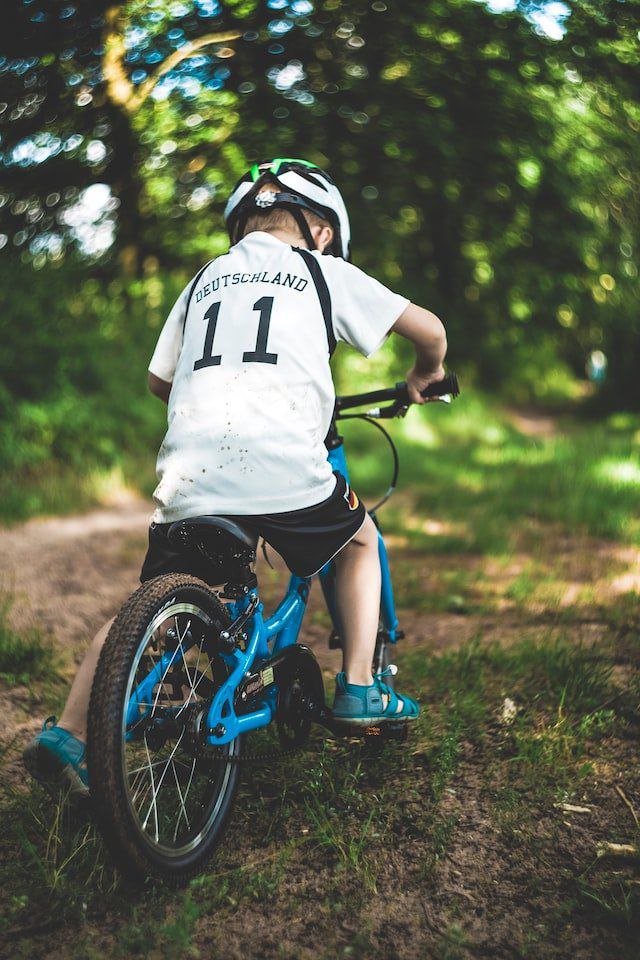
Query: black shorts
x: 306, y: 539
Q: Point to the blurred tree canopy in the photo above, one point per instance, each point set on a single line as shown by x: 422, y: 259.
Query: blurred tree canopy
x: 488, y: 159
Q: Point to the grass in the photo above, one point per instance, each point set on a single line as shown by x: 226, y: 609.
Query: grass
x: 332, y: 816
x: 26, y: 655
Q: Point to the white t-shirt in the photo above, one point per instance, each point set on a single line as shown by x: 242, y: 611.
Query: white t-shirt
x: 252, y: 394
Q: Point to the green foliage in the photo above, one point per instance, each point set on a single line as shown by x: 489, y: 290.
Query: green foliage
x: 75, y: 405
x: 489, y: 170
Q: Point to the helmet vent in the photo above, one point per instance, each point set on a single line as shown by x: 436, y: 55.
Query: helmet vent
x: 266, y: 198
x: 316, y: 181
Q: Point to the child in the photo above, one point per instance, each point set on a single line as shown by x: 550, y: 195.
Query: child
x: 243, y: 363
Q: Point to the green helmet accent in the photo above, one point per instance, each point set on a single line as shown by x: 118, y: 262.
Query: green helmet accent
x: 276, y: 164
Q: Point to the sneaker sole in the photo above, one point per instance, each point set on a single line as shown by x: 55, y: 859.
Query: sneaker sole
x: 369, y: 721
x: 48, y: 771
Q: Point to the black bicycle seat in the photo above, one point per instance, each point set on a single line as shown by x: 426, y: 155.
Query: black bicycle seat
x: 209, y: 529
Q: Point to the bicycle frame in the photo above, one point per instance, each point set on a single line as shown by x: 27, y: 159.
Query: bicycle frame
x: 268, y: 637
x: 281, y: 630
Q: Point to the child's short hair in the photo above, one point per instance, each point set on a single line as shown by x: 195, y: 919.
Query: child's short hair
x: 278, y: 219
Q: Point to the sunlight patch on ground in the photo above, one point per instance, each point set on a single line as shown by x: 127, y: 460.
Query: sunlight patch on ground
x: 110, y: 489
x: 473, y: 482
x: 531, y: 423
x: 419, y: 430
x: 436, y: 528
x: 490, y: 456
x: 629, y: 581
x: 622, y: 473
x: 395, y: 541
x: 493, y: 434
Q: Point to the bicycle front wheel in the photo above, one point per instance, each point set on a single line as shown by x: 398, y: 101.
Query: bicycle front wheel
x: 162, y: 797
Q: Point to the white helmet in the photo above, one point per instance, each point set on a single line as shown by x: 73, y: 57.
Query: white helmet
x: 302, y: 186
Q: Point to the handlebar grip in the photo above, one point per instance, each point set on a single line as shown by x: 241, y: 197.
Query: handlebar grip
x: 448, y: 385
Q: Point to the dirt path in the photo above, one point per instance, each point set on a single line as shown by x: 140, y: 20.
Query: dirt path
x: 68, y: 574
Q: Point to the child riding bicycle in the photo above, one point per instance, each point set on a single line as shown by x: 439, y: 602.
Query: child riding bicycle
x: 243, y: 364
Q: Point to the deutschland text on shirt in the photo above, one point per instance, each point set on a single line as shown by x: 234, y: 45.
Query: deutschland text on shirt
x: 233, y: 279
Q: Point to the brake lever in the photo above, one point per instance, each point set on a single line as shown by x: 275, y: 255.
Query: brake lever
x: 397, y: 409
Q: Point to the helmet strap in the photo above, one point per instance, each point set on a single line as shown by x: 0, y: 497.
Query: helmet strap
x: 305, y: 230
x: 238, y: 230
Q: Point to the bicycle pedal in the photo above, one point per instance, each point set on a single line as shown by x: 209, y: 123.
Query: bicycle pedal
x: 386, y: 731
x: 369, y: 732
x: 335, y: 642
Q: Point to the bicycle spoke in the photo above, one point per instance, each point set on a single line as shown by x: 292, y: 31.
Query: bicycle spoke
x: 180, y: 639
x: 171, y: 794
x: 160, y: 685
x: 200, y: 645
x: 153, y: 801
x: 142, y: 790
x: 169, y: 665
x: 154, y: 763
x: 156, y: 790
x: 183, y: 811
x: 189, y: 782
x: 195, y: 674
x: 192, y: 692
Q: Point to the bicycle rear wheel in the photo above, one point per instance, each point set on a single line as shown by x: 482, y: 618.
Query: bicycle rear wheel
x: 161, y: 796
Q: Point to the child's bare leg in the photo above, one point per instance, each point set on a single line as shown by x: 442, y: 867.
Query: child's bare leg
x: 358, y: 582
x: 74, y: 715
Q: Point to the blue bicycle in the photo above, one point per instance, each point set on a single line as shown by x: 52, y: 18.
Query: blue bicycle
x: 187, y: 671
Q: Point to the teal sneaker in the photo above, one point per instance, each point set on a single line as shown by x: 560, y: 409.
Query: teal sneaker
x: 56, y: 759
x: 360, y: 705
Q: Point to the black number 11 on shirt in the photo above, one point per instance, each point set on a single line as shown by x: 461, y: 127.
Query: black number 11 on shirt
x: 259, y: 355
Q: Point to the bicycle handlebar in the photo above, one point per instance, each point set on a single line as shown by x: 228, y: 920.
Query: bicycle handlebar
x: 399, y: 395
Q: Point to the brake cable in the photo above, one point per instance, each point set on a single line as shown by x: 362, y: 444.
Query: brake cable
x: 394, y: 452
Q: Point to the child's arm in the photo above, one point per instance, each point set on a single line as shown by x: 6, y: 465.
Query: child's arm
x: 165, y: 356
x: 428, y: 336
x: 159, y: 388
x: 365, y: 312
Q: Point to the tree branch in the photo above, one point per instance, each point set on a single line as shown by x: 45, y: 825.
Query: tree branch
x: 182, y: 53
x: 120, y: 91
x: 119, y: 88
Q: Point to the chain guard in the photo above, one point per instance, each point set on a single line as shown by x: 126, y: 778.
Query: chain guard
x: 300, y: 697
x: 293, y: 719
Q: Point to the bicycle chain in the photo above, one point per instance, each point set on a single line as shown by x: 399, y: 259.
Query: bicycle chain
x: 281, y: 754
x: 259, y: 756
x: 212, y: 754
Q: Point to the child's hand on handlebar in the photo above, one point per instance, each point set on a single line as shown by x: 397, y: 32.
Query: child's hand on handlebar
x: 417, y: 382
